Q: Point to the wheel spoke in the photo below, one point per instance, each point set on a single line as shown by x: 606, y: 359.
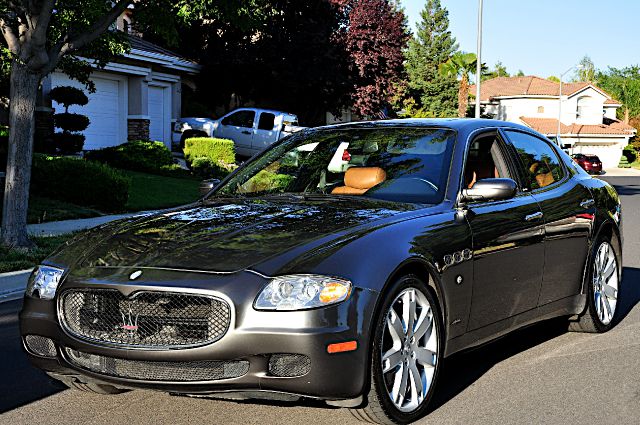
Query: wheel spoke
x: 609, y: 268
x: 400, y: 384
x: 394, y: 326
x: 417, y: 382
x: 611, y: 292
x: 391, y: 359
x: 425, y: 356
x: 409, y: 311
x: 425, y: 326
x: 607, y: 308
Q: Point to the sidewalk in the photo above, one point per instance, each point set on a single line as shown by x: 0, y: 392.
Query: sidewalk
x: 13, y: 284
x: 621, y: 172
x: 55, y: 228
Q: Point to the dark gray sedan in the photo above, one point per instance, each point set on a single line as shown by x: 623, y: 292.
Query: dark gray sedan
x: 342, y: 264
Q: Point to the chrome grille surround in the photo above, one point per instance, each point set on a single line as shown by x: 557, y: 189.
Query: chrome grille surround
x: 145, y: 319
x: 192, y: 371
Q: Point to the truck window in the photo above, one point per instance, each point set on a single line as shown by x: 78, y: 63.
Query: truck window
x: 267, y: 121
x: 240, y: 119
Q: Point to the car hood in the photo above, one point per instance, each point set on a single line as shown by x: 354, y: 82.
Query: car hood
x: 231, y: 235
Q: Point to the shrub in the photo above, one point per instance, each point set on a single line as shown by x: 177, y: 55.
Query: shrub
x: 4, y: 131
x: 217, y: 150
x: 137, y: 155
x: 69, y: 141
x: 205, y: 168
x: 630, y: 153
x: 80, y: 182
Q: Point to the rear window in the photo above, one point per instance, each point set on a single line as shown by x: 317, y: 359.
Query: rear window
x: 592, y: 158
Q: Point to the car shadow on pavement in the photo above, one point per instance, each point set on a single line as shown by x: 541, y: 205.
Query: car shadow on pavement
x: 463, y: 369
x: 20, y: 382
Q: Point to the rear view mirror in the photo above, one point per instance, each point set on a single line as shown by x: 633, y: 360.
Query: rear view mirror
x: 490, y: 190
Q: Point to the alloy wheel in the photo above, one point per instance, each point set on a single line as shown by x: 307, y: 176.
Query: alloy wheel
x: 409, y: 349
x: 605, y: 283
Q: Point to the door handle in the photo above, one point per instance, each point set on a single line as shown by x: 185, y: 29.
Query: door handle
x: 246, y: 132
x: 587, y: 203
x: 535, y: 216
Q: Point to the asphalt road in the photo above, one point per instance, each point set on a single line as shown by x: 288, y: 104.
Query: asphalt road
x: 538, y: 375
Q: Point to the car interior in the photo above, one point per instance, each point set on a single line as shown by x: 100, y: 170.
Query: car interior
x: 484, y: 161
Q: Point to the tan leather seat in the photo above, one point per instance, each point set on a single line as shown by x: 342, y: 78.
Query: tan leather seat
x: 357, y: 180
x: 543, y: 179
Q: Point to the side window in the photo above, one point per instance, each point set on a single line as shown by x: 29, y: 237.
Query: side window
x: 541, y: 163
x: 267, y: 121
x: 484, y: 160
x: 240, y: 119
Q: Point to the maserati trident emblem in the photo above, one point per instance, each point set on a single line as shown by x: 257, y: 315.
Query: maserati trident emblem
x: 135, y: 275
x: 129, y: 321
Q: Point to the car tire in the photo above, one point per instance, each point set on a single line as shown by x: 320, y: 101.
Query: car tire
x: 379, y: 405
x: 602, y: 291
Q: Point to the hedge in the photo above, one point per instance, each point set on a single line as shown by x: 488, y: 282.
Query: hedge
x: 630, y: 153
x: 80, y: 182
x: 138, y: 155
x: 217, y: 150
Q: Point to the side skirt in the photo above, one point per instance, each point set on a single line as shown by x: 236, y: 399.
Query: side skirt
x: 565, y: 307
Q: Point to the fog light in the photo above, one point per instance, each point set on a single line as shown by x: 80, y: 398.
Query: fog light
x: 40, y: 346
x: 289, y: 365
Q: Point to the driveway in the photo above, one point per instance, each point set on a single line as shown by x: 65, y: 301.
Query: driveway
x: 538, y: 375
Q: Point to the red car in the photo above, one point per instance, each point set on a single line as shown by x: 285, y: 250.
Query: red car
x: 590, y: 163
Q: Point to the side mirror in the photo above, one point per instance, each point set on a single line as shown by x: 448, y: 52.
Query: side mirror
x: 207, y: 185
x: 490, y: 190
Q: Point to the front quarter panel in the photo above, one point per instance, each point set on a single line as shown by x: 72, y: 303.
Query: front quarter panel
x: 374, y: 258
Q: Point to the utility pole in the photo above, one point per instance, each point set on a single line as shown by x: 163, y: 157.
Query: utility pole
x: 479, y: 59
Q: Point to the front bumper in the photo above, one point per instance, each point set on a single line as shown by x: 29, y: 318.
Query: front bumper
x: 253, y: 336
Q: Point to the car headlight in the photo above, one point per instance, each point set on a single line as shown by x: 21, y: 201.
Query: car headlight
x: 44, y: 282
x: 299, y: 292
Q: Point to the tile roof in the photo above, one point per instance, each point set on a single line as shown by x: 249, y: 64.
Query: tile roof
x: 527, y: 86
x: 550, y: 126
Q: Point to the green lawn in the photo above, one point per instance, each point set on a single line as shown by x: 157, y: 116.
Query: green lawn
x: 152, y: 192
x: 12, y: 259
x: 42, y: 210
x: 636, y: 165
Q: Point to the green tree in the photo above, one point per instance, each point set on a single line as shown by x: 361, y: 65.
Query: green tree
x: 553, y: 78
x: 624, y: 85
x: 460, y: 65
x: 586, y: 70
x: 499, y: 70
x: 520, y: 73
x: 432, y: 46
x: 43, y: 35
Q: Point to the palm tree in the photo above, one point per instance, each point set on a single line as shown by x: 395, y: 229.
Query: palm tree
x: 460, y: 65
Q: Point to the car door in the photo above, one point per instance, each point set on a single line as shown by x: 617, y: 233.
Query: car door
x: 266, y: 132
x: 238, y: 126
x: 568, y: 210
x: 508, y: 250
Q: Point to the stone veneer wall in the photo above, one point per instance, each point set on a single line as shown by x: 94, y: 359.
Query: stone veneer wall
x: 138, y: 129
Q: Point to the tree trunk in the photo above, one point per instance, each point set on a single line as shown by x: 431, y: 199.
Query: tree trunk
x: 463, y: 96
x: 24, y: 92
x: 626, y: 115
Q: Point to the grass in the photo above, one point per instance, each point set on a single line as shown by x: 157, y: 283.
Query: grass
x: 42, y: 210
x: 636, y: 164
x: 14, y: 259
x: 152, y: 192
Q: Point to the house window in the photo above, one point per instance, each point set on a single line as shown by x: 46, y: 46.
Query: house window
x: 584, y: 107
x: 541, y: 109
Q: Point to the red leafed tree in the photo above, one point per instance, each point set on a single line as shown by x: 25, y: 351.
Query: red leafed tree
x: 375, y: 37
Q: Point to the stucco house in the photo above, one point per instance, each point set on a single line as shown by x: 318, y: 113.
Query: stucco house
x: 588, y: 121
x: 138, y: 94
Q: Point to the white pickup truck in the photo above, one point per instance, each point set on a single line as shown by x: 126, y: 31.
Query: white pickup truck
x: 251, y: 129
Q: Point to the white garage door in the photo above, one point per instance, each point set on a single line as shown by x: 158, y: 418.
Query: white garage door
x: 608, y: 154
x: 158, y: 114
x: 104, y: 111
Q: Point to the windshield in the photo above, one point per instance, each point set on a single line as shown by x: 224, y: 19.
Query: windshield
x: 394, y: 164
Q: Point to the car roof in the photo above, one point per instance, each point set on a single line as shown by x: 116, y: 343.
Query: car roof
x: 459, y: 124
x: 273, y: 111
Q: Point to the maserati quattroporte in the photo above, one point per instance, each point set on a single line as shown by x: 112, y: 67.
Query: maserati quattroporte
x: 342, y: 264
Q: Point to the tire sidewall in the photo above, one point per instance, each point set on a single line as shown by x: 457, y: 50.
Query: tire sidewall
x: 409, y: 281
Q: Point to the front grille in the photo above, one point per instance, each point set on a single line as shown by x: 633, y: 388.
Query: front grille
x: 146, y: 319
x: 40, y: 345
x: 289, y: 365
x: 158, y: 371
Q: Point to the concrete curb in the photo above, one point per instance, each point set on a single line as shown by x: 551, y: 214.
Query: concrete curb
x: 55, y: 228
x: 13, y: 284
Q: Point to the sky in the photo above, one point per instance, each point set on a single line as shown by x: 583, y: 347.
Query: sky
x: 545, y: 37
